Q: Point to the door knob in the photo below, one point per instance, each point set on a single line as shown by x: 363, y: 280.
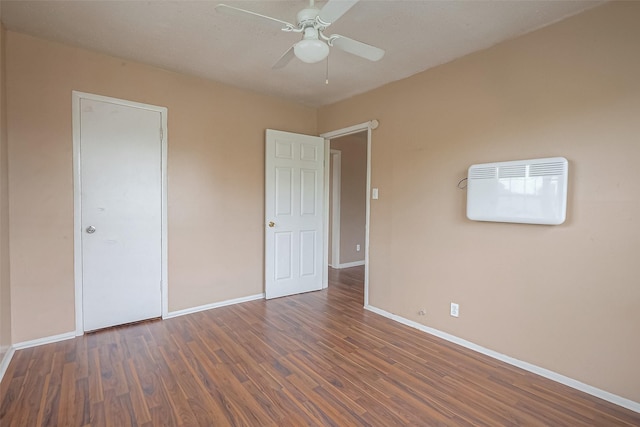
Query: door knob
x: 272, y: 224
x: 91, y: 229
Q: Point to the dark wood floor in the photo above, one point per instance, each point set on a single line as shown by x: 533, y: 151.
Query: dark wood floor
x: 312, y: 359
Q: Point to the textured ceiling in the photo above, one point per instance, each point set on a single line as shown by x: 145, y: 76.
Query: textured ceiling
x: 190, y: 37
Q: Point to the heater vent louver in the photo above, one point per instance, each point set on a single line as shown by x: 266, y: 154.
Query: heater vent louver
x: 546, y: 169
x: 482, y: 173
x: 513, y: 171
x: 525, y: 191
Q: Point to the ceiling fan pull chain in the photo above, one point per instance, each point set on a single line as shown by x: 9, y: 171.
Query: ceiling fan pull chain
x: 327, y: 79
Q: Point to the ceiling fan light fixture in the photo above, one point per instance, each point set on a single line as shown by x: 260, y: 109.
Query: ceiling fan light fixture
x: 311, y: 50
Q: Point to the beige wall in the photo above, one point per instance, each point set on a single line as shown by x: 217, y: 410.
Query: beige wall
x: 353, y: 191
x: 565, y: 297
x: 5, y: 295
x: 215, y: 174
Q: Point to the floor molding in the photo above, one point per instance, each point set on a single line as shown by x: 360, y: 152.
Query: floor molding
x: 349, y: 264
x: 44, y: 340
x: 6, y: 359
x: 71, y: 335
x: 594, y: 391
x: 191, y: 310
x: 4, y: 363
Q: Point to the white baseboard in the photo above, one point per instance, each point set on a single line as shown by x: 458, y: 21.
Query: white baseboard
x: 177, y: 313
x: 44, y: 340
x: 4, y: 363
x: 594, y: 391
x: 6, y: 359
x: 348, y: 264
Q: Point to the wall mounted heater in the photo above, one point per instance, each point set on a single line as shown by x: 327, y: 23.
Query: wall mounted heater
x: 524, y: 191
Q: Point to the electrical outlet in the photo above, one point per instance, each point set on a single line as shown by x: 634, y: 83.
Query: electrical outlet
x: 455, y: 309
x: 357, y: 248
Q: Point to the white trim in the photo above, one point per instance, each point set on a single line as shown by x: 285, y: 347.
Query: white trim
x: 4, y: 363
x: 164, y: 232
x: 336, y: 164
x: 325, y: 237
x: 77, y: 192
x: 554, y: 376
x: 191, y: 310
x: 348, y: 264
x: 366, y: 126
x: 44, y: 340
x: 371, y: 124
x: 77, y: 211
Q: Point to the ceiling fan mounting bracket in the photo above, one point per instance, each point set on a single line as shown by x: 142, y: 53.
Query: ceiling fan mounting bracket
x: 330, y: 39
x: 321, y: 23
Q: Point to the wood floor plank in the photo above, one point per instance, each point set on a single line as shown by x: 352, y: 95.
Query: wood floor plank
x: 97, y: 415
x: 115, y: 413
x: 9, y: 397
x: 95, y: 377
x: 42, y: 407
x: 315, y: 359
x: 172, y: 376
x: 51, y: 401
x: 82, y: 403
x: 66, y: 408
x: 204, y: 397
x: 140, y: 409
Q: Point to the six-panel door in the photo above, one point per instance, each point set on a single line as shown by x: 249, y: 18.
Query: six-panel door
x: 294, y: 181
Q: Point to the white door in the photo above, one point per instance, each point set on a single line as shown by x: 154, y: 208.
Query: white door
x: 294, y: 196
x: 121, y: 212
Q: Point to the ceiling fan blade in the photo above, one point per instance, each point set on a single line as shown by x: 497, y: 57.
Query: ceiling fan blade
x: 231, y: 10
x: 355, y: 47
x: 284, y: 59
x: 334, y: 9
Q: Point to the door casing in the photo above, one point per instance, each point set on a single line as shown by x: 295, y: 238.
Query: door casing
x: 77, y: 217
x: 328, y: 136
x: 334, y: 212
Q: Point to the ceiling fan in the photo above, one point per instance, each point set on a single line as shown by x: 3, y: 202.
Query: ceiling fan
x: 312, y: 22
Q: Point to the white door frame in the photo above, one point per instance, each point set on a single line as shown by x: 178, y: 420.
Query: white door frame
x: 77, y: 211
x: 328, y: 136
x: 336, y: 177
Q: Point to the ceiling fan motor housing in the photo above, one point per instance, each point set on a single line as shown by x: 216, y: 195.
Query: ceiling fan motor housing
x: 307, y: 17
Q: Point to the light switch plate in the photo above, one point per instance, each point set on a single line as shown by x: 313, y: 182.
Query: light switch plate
x: 374, y: 194
x: 455, y: 309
